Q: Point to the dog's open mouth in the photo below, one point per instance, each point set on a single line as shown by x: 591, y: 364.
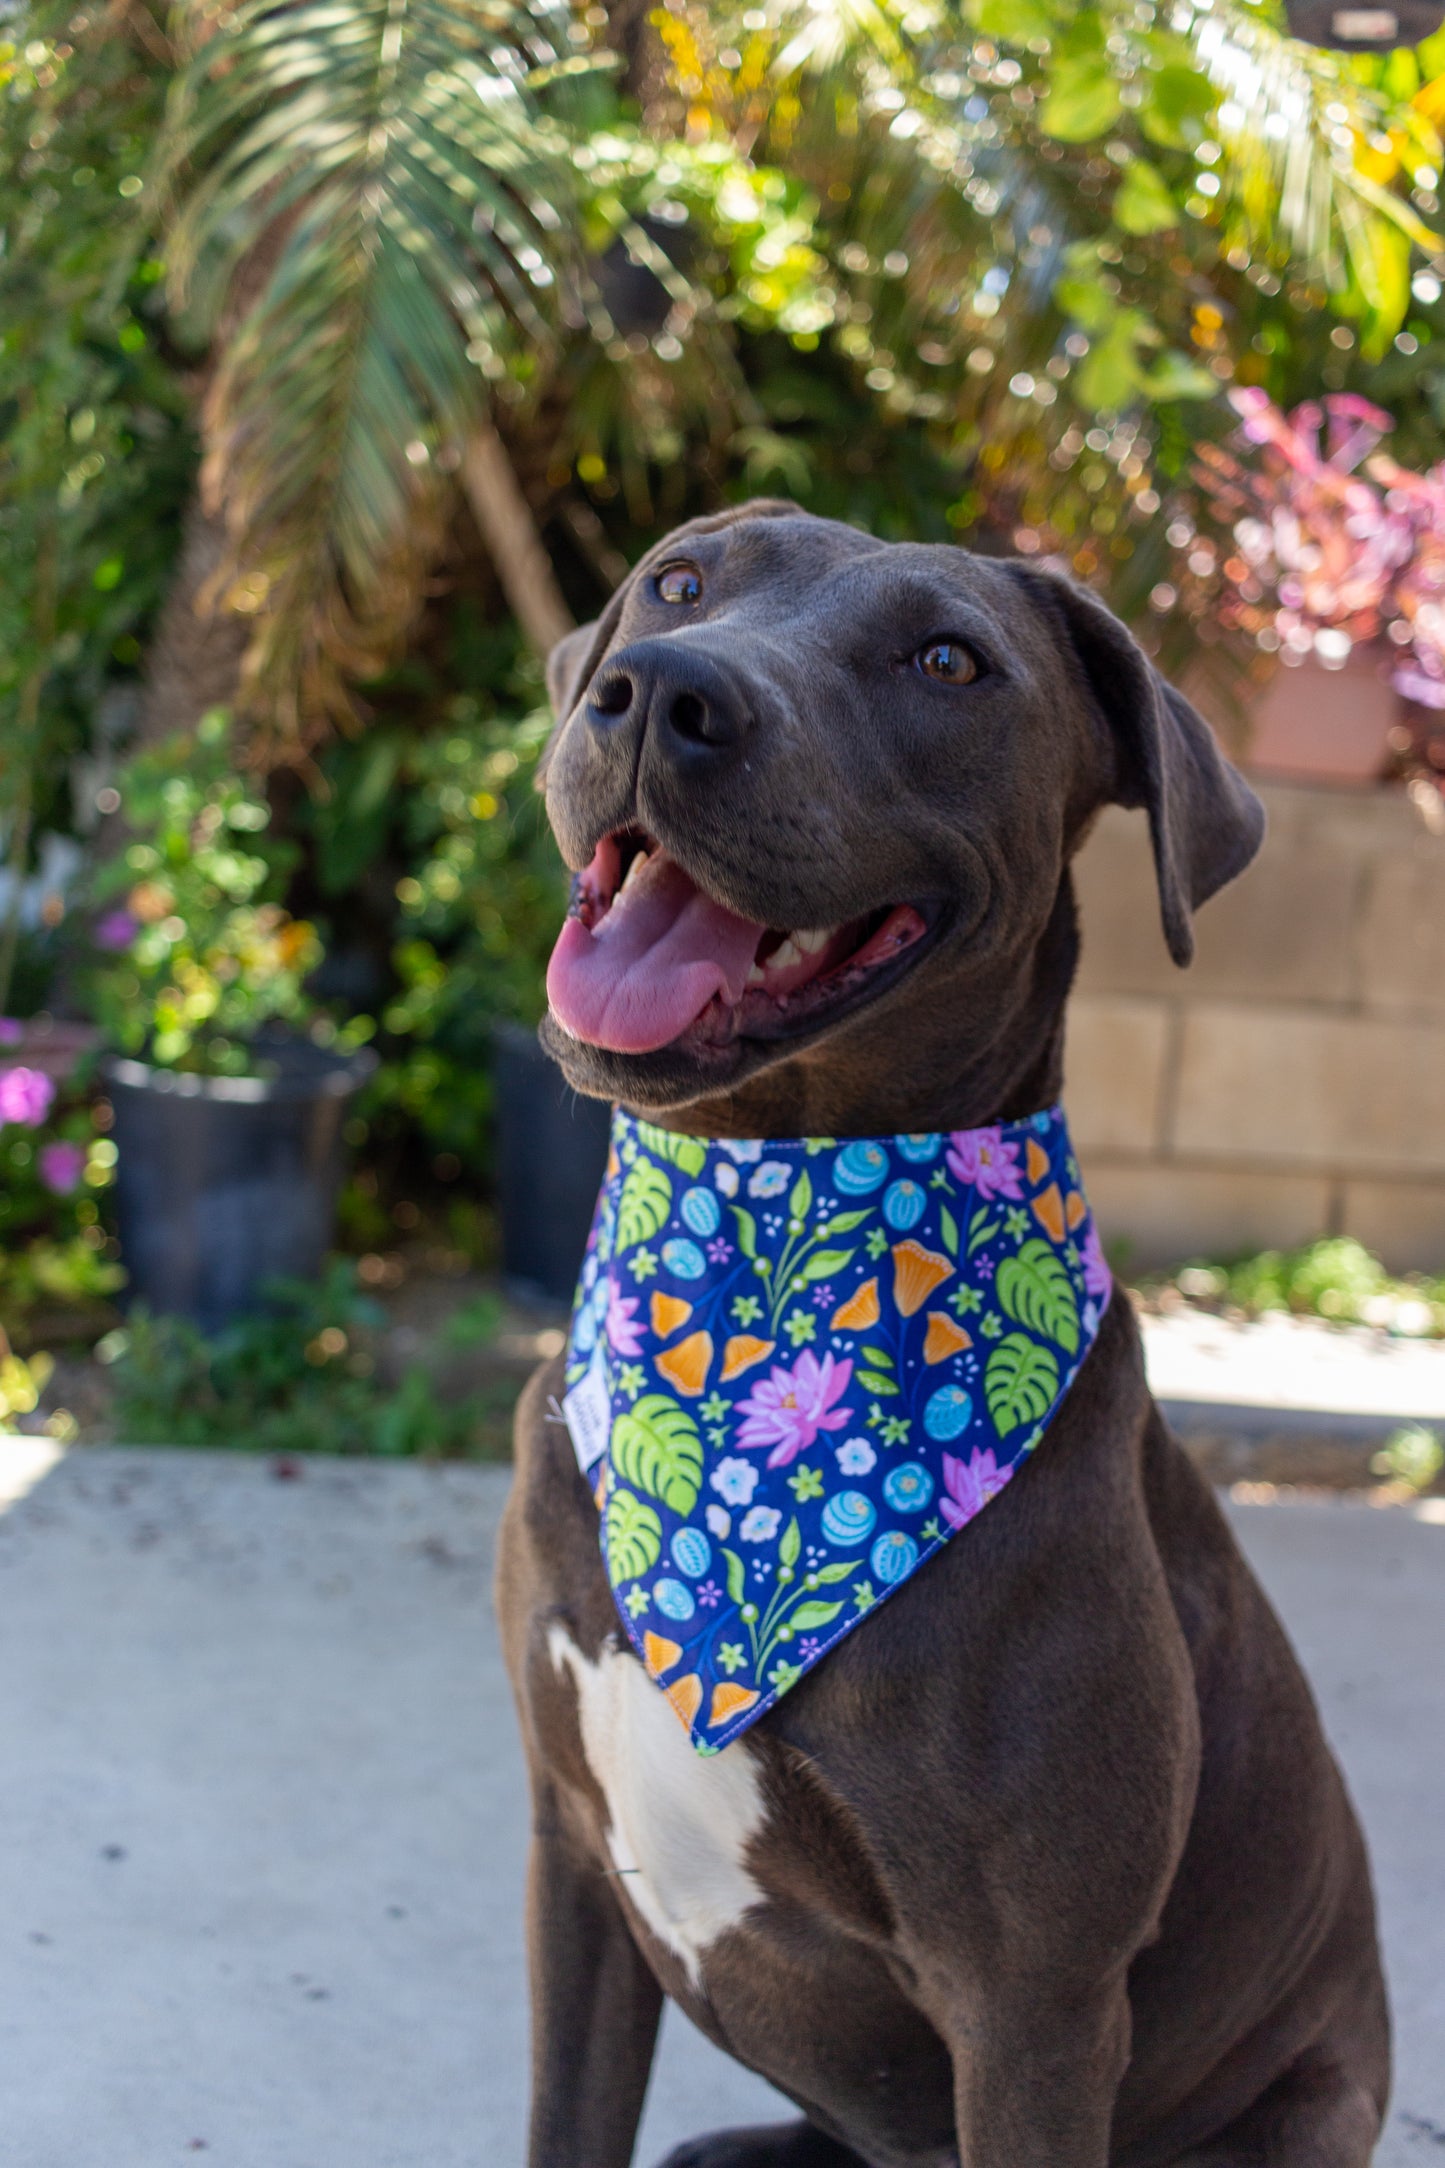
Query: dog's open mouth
x: 645, y: 957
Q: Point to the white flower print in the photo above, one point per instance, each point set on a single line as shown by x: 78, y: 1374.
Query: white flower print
x: 855, y: 1456
x: 743, y: 1149
x: 759, y: 1524
x: 734, y: 1480
x: 719, y: 1523
x: 725, y: 1174
x: 769, y: 1180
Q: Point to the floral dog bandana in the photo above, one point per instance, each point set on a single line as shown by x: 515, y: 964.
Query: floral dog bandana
x: 797, y: 1368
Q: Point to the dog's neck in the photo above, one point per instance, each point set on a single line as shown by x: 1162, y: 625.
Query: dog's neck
x: 977, y: 1048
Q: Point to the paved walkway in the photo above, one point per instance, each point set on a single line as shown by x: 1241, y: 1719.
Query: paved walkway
x: 263, y: 1814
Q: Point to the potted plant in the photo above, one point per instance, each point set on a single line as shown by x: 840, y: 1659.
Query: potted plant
x: 228, y: 1088
x: 1335, y: 562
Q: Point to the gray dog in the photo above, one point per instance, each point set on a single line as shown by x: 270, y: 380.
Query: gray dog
x: 1086, y: 1888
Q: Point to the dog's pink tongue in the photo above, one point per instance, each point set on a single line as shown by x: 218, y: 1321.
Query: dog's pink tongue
x: 652, y: 964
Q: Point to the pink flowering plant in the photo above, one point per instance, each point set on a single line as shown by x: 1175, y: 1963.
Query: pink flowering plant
x: 1332, y: 543
x: 55, y: 1166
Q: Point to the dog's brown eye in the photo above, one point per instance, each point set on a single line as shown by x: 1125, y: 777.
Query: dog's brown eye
x: 679, y: 583
x: 949, y: 661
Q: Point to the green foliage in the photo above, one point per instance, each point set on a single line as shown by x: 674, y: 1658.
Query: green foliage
x: 298, y: 1378
x: 94, y: 444
x: 1336, y: 1278
x: 22, y: 1383
x: 55, y: 1252
x: 1413, y: 1455
x: 393, y: 174
x: 207, y: 952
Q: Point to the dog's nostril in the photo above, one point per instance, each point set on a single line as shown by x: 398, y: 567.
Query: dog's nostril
x: 688, y: 716
x: 614, y: 697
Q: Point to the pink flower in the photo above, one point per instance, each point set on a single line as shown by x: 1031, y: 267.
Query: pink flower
x: 968, y: 1488
x: 622, y: 1326
x: 1097, y: 1277
x: 25, y: 1096
x: 789, y: 1408
x: 61, y: 1167
x: 116, y: 930
x: 988, y: 1160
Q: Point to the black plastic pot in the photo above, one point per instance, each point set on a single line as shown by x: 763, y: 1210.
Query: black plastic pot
x: 224, y: 1183
x: 551, y: 1150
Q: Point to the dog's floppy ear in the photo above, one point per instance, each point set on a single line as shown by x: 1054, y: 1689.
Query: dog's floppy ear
x: 1204, y: 820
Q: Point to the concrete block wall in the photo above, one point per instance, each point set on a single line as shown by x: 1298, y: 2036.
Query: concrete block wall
x: 1291, y: 1083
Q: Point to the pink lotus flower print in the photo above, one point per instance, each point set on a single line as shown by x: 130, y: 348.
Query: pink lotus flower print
x: 25, y: 1096
x: 968, y: 1486
x: 790, y: 1407
x: 61, y: 1167
x: 1097, y: 1277
x: 988, y: 1160
x: 622, y: 1324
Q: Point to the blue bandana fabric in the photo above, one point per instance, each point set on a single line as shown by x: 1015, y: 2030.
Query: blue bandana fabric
x: 798, y: 1367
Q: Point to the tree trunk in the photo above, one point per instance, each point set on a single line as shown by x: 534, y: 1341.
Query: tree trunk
x: 196, y: 654
x: 504, y: 519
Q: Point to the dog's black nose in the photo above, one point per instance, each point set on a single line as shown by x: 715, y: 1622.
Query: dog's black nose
x: 690, y: 704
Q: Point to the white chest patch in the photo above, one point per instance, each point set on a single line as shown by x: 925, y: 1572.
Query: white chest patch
x: 678, y: 1821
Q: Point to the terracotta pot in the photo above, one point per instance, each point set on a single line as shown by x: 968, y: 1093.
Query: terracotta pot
x: 1311, y: 724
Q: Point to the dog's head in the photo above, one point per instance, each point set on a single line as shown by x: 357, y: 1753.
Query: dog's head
x: 820, y: 794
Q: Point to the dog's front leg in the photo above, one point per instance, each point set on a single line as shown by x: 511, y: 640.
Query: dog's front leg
x: 1035, y: 2078
x: 595, y: 2011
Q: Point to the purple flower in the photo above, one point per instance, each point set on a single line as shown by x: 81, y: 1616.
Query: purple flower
x: 969, y: 1486
x: 790, y: 1407
x: 622, y: 1325
x: 25, y: 1096
x: 1097, y: 1277
x: 61, y: 1167
x: 808, y: 1647
x: 988, y: 1160
x: 708, y: 1594
x: 823, y: 1296
x: 719, y: 1250
x: 116, y: 930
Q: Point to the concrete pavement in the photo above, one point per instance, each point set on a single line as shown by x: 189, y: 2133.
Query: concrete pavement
x: 264, y: 1815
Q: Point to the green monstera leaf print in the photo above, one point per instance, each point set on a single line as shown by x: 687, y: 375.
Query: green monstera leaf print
x: 634, y: 1537
x: 1035, y: 1290
x: 655, y: 1447
x: 645, y: 1203
x: 689, y: 1153
x: 1020, y: 1382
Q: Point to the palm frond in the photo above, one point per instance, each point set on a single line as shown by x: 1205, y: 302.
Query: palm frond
x: 384, y: 177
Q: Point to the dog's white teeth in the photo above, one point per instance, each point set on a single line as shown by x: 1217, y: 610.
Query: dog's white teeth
x: 632, y: 872
x: 808, y: 944
x: 785, y: 957
x: 756, y: 976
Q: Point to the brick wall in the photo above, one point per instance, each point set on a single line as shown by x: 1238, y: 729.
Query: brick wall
x: 1292, y: 1082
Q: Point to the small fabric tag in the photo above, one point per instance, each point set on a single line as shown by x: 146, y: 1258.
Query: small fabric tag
x: 587, y: 1412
